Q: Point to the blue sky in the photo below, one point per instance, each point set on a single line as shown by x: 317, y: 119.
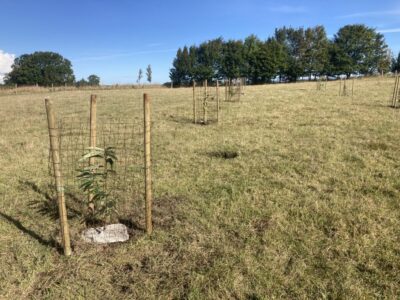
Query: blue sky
x: 113, y: 39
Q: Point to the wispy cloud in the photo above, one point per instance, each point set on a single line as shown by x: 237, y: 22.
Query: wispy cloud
x: 288, y: 9
x: 118, y: 55
x: 395, y: 12
x: 389, y: 30
x: 154, y: 45
x: 6, y: 61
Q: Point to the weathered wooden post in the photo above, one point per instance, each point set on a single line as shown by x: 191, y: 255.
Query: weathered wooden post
x: 194, y: 103
x: 217, y: 90
x: 396, y: 91
x: 55, y: 153
x: 205, y: 102
x: 92, y: 140
x: 147, y: 162
x: 226, y: 90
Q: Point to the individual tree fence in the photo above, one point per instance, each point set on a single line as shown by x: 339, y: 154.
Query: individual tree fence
x: 346, y: 89
x: 321, y: 84
x: 206, y: 103
x: 396, y: 91
x: 70, y: 139
x: 234, y: 89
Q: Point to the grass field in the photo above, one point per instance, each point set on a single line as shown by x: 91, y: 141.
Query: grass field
x: 309, y: 209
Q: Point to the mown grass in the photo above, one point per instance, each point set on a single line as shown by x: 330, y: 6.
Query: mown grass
x: 308, y: 207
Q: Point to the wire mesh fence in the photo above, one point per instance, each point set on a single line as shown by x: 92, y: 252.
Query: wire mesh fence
x: 126, y: 138
x: 234, y: 89
x: 206, y: 104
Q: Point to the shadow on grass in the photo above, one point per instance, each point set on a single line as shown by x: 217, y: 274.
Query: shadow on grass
x: 180, y: 119
x: 47, y: 206
x: 186, y: 120
x: 223, y: 154
x: 48, y: 243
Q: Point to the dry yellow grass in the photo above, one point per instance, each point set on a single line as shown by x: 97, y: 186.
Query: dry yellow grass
x: 309, y: 208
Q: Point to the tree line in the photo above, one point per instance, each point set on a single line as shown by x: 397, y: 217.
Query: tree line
x: 290, y: 54
x: 52, y: 69
x: 45, y: 68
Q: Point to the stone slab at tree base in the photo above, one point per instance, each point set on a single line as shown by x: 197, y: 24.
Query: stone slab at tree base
x: 107, y: 234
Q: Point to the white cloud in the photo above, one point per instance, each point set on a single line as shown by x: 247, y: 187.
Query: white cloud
x: 390, y: 30
x: 117, y: 55
x: 372, y: 14
x: 288, y: 9
x: 6, y: 61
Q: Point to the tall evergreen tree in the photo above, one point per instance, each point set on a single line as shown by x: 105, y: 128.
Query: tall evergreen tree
x: 396, y: 64
x: 177, y: 71
x: 140, y: 75
x: 149, y: 73
x: 251, y: 47
x: 209, y: 55
x: 232, y: 59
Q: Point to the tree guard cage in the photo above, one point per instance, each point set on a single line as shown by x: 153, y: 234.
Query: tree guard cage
x: 234, y: 89
x: 73, y: 137
x: 344, y: 89
x: 206, y: 103
x: 126, y: 137
x: 321, y: 83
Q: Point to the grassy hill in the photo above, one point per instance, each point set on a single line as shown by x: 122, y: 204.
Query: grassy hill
x: 309, y: 208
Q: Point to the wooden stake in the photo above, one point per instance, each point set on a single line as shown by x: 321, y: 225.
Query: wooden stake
x: 92, y: 140
x: 194, y: 103
x: 55, y: 152
x: 226, y: 90
x: 147, y: 162
x: 396, y: 92
x: 205, y: 102
x: 340, y: 87
x: 352, y: 88
x: 217, y: 89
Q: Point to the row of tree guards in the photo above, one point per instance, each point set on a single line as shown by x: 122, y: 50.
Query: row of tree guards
x: 206, y: 99
x: 55, y: 151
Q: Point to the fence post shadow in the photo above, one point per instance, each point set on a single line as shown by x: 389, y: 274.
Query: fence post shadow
x: 48, y: 243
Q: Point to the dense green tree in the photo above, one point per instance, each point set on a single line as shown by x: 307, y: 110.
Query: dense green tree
x: 316, y: 57
x: 93, y: 80
x: 251, y: 48
x: 43, y: 68
x: 265, y: 61
x: 384, y: 62
x: 208, y: 60
x: 396, y: 64
x: 183, y: 71
x: 82, y: 83
x: 292, y: 53
x: 176, y: 72
x: 358, y: 48
x: 294, y: 44
x: 232, y: 59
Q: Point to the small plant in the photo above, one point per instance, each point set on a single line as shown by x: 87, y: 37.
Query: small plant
x: 94, y: 182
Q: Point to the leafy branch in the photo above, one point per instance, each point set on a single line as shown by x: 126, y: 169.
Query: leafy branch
x: 94, y: 180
